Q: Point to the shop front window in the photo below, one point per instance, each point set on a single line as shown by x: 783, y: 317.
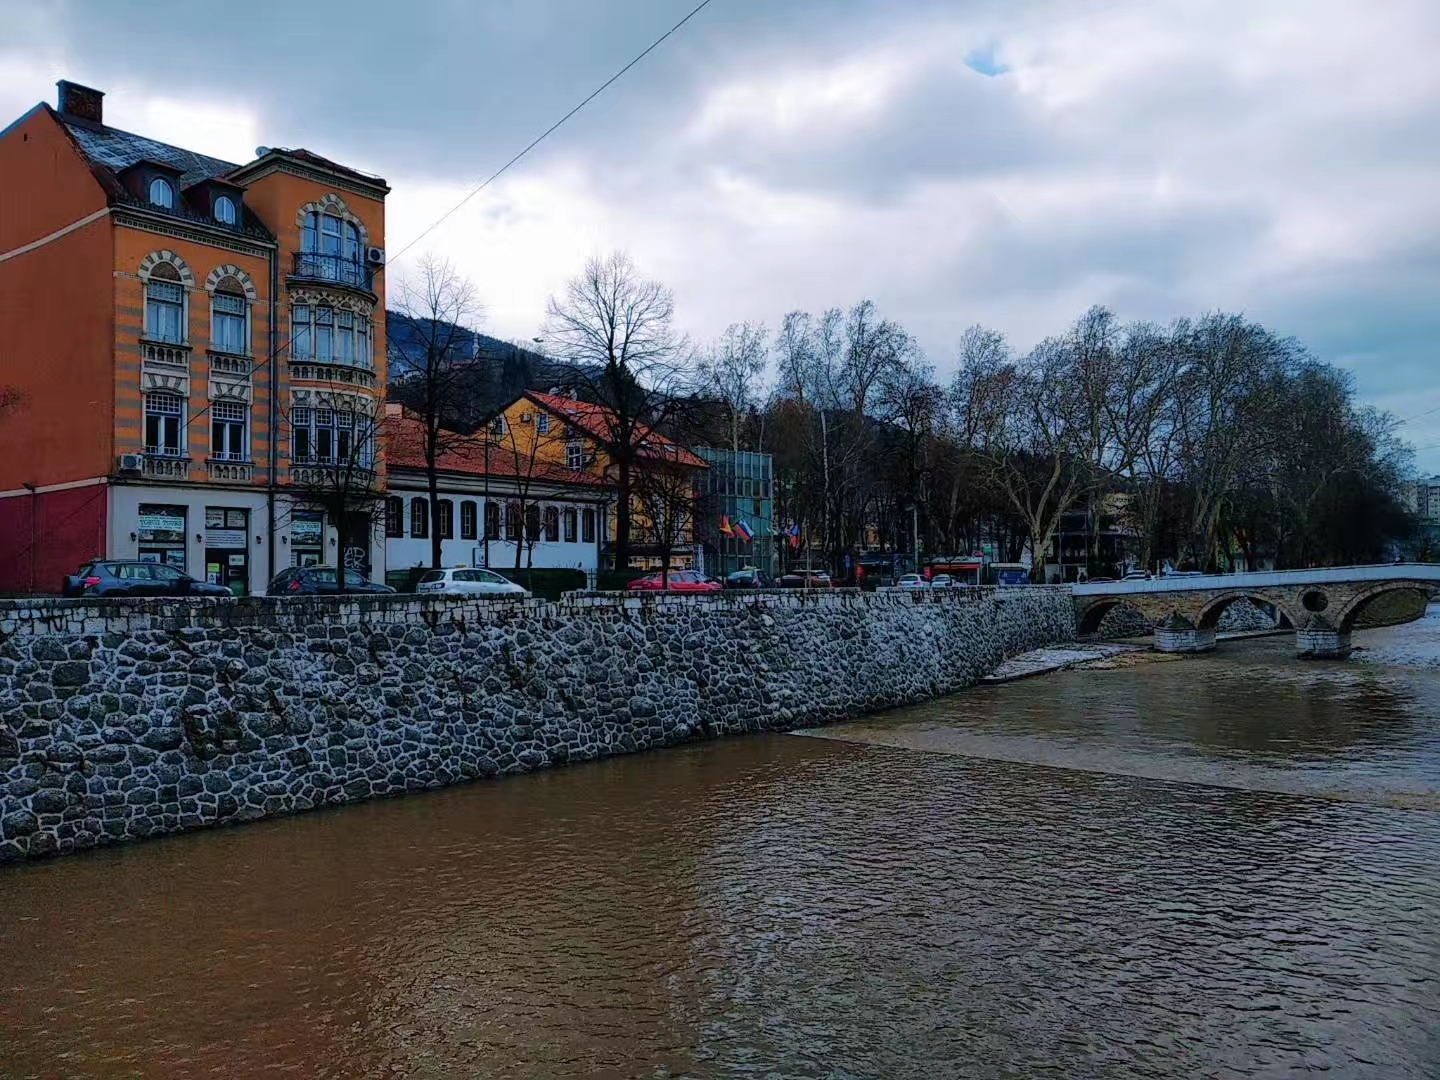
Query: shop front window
x: 161, y: 534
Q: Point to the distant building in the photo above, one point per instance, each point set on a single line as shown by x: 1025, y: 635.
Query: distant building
x: 497, y: 508
x: 1422, y: 496
x: 572, y: 435
x: 739, y: 487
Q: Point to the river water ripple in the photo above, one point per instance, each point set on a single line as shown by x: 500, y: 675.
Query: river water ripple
x: 1235, y: 872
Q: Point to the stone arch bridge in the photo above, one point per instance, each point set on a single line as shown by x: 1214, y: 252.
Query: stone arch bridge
x: 1322, y: 604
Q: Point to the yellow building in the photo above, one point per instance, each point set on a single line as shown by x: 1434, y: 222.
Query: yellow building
x: 561, y: 431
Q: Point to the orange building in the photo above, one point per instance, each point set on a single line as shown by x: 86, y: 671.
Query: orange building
x: 186, y: 345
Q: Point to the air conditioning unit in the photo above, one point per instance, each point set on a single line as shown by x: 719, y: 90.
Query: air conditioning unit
x: 132, y: 462
x: 375, y: 256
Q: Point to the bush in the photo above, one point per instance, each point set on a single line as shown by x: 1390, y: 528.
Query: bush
x: 547, y: 583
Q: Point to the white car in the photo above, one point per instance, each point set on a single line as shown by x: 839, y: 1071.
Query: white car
x: 468, y: 581
x: 943, y: 581
x: 912, y: 581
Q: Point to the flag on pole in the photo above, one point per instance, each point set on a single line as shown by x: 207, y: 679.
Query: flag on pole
x: 743, y: 531
x: 726, y: 528
x: 794, y: 531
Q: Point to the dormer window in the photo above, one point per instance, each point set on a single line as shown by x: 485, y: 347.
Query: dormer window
x: 225, y: 210
x: 161, y: 193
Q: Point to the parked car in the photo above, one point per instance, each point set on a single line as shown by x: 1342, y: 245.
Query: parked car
x: 321, y: 580
x: 686, y: 581
x: 911, y: 581
x: 944, y: 581
x: 130, y: 577
x: 749, y: 578
x: 805, y: 579
x: 469, y: 581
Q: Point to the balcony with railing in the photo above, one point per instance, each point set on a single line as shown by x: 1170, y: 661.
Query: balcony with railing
x: 225, y: 468
x: 228, y: 363
x: 165, y: 355
x: 306, y: 369
x: 333, y: 270
x: 166, y: 464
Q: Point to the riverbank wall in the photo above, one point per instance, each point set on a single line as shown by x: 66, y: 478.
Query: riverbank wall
x: 128, y: 719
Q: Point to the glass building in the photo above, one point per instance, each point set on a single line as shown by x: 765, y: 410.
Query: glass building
x: 739, y: 486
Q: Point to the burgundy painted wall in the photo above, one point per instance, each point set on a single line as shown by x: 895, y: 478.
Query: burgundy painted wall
x: 68, y: 529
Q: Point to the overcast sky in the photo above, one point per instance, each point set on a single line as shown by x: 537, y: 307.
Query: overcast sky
x: 956, y: 161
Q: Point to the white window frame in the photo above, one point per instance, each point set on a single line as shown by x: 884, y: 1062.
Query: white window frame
x: 215, y: 321
x: 232, y: 414
x: 156, y: 404
x: 151, y: 330
x: 159, y: 183
x: 226, y: 212
x: 575, y: 455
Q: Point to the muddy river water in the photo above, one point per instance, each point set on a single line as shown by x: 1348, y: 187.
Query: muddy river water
x: 1225, y: 866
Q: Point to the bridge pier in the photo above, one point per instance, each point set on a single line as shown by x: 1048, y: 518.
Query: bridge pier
x: 1183, y: 640
x: 1322, y: 643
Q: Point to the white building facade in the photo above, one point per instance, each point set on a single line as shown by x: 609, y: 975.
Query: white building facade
x: 495, y: 521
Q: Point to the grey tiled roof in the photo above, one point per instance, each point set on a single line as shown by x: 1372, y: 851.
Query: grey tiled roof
x: 119, y: 150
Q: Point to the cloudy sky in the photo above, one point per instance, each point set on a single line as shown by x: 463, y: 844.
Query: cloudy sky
x: 958, y: 161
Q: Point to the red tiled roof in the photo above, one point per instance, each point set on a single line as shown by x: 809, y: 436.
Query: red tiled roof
x: 405, y: 449
x: 591, y: 417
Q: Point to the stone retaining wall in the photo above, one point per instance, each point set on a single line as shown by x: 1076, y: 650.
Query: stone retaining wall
x: 126, y: 719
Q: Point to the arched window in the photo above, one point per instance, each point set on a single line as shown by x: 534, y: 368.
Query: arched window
x: 330, y: 249
x: 164, y: 416
x: 225, y: 210
x: 230, y: 319
x: 165, y: 305
x: 419, y: 519
x: 161, y: 193
x: 552, y: 524
x: 394, y: 517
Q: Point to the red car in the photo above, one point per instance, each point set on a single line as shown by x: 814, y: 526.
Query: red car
x: 680, y: 581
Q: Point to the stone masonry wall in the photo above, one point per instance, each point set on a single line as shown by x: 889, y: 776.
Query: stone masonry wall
x: 126, y: 719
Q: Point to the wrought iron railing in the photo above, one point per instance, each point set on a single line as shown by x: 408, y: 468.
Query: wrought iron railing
x: 341, y: 269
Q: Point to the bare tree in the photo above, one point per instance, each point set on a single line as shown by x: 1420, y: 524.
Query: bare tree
x: 618, y: 329
x: 732, y: 371
x: 666, y: 491
x: 1030, y: 430
x: 526, y: 453
x: 430, y: 347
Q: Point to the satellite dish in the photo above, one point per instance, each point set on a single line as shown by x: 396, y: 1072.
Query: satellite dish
x: 261, y: 151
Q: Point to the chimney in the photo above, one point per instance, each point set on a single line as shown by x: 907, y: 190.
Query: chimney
x: 81, y: 102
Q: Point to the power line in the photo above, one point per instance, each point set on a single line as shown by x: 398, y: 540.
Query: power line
x: 263, y: 363
x: 554, y: 127
x: 1418, y: 415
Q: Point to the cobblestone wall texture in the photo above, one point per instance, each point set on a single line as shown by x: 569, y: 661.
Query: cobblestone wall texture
x: 127, y: 719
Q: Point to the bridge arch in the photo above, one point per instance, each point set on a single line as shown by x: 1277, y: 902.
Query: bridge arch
x: 1090, y: 619
x: 1346, y: 617
x: 1210, y: 614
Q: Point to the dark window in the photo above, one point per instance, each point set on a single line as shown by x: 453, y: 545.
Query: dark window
x: 552, y: 524
x: 570, y: 525
x: 419, y: 519
x: 163, y: 413
x: 532, y: 523
x: 467, y: 520
x: 513, y: 521
x: 492, y: 521
x: 587, y: 527
x: 447, y: 519
x: 394, y: 516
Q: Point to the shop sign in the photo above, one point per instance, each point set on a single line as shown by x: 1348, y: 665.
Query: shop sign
x: 224, y: 538
x: 305, y: 532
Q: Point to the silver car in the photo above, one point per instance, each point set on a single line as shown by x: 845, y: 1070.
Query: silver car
x: 468, y: 581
